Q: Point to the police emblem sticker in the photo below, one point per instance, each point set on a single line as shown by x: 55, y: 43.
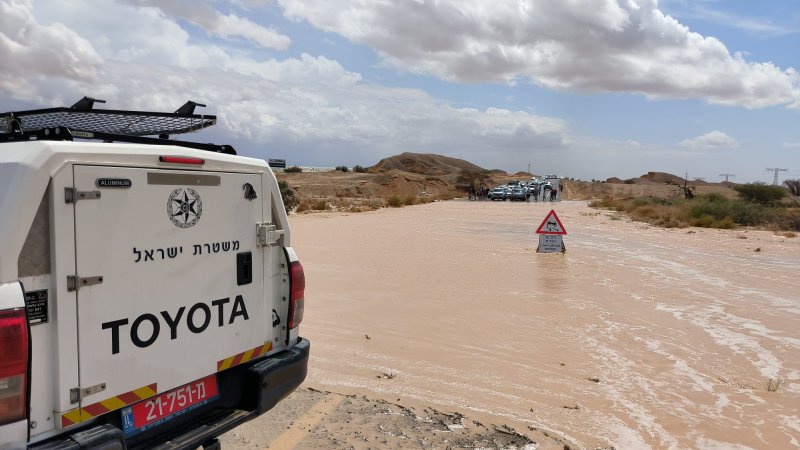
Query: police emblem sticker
x: 184, y: 207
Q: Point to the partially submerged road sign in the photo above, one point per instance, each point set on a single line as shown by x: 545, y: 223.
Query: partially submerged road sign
x: 551, y: 225
x: 550, y: 233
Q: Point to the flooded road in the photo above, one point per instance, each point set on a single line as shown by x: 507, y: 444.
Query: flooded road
x: 637, y: 337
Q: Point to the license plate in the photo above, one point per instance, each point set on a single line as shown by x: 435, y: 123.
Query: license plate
x: 157, y: 410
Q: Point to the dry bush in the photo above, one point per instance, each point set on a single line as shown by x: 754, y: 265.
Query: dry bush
x: 355, y: 204
x: 310, y: 204
x: 707, y: 221
x: 394, y: 202
x: 774, y: 383
x: 606, y: 202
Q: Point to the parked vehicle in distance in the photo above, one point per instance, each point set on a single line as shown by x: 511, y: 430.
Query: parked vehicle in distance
x: 497, y: 194
x: 518, y: 194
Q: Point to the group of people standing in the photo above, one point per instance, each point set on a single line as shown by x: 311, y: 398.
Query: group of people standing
x: 546, y: 192
x: 478, y: 193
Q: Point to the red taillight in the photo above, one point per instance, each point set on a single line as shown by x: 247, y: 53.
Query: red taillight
x: 13, y: 365
x: 298, y: 283
x: 182, y: 160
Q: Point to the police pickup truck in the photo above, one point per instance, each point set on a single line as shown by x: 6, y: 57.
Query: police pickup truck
x: 149, y: 295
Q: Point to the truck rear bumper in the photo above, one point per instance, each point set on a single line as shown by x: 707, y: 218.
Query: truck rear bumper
x: 262, y: 385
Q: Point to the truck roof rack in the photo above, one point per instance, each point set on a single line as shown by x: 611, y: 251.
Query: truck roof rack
x: 82, y: 121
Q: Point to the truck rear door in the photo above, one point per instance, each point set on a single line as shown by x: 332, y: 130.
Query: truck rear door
x: 170, y: 281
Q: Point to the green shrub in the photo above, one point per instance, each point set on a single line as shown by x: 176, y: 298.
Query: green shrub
x: 293, y: 169
x: 409, y: 200
x: 287, y: 194
x: 760, y: 193
x: 342, y: 168
x: 359, y: 169
x: 751, y: 214
x: 714, y: 197
x: 714, y: 206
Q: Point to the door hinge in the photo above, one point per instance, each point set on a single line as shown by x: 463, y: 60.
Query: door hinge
x: 72, y: 195
x: 75, y: 282
x: 77, y: 394
x: 267, y: 234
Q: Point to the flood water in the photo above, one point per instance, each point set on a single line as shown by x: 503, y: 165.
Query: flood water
x: 637, y: 337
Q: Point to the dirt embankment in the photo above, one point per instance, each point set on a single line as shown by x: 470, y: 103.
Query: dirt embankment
x: 355, y: 187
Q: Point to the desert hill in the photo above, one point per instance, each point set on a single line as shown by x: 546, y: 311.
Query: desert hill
x: 659, y: 178
x: 425, y: 164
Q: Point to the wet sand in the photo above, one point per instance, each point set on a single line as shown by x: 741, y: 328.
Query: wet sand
x: 637, y: 337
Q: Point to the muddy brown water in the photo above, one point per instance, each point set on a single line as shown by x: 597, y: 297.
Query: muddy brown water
x: 636, y: 337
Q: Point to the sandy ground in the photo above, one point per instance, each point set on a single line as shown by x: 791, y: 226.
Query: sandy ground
x: 638, y: 337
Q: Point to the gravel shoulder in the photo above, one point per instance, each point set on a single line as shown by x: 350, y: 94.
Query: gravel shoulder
x: 316, y: 419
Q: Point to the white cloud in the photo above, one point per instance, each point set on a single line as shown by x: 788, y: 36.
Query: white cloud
x: 142, y: 58
x: 791, y: 145
x: 32, y: 52
x: 214, y: 22
x: 582, y: 45
x: 713, y: 140
x: 755, y: 25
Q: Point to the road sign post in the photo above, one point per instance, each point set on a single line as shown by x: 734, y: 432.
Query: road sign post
x: 550, y: 234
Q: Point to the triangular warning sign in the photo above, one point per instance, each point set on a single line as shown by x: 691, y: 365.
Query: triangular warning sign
x: 551, y: 225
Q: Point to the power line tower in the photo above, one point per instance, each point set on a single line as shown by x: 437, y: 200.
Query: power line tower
x: 775, y: 181
x: 726, y: 175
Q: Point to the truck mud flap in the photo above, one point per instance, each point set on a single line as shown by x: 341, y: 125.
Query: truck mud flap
x: 104, y: 437
x: 279, y: 375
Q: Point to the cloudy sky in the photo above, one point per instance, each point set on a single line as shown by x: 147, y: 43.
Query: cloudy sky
x: 583, y: 88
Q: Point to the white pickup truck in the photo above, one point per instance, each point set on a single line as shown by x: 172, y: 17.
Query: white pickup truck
x: 149, y: 295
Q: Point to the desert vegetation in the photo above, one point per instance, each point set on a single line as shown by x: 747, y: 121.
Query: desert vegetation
x: 289, y: 199
x: 794, y: 187
x: 312, y: 204
x: 757, y: 205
